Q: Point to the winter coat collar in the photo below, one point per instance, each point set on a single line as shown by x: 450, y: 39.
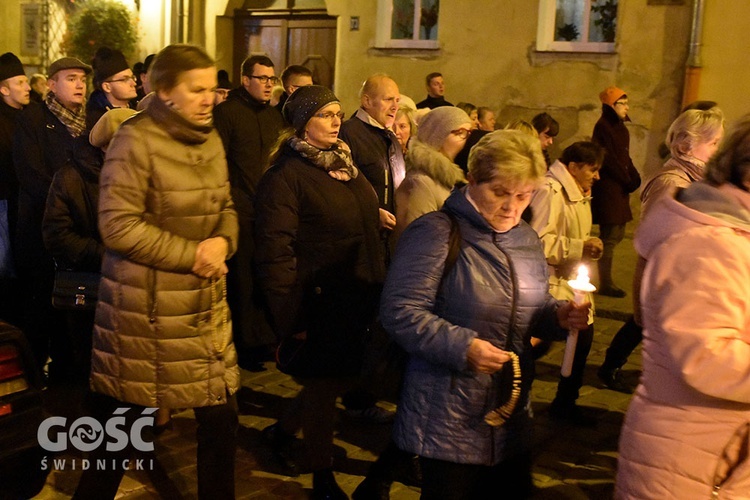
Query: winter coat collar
x: 241, y: 94
x: 175, y: 125
x: 8, y: 111
x: 87, y: 159
x: 697, y: 205
x: 459, y: 205
x: 610, y: 115
x: 424, y: 159
x: 364, y: 116
x: 559, y: 172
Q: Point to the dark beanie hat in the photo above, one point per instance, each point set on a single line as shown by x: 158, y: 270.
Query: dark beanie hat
x: 107, y: 62
x: 304, y: 102
x: 10, y: 66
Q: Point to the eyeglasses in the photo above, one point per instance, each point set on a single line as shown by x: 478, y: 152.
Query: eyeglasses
x: 263, y: 80
x: 462, y: 133
x: 621, y: 103
x: 328, y: 115
x: 124, y: 79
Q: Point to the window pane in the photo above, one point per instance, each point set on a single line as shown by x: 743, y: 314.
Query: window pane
x: 569, y: 20
x: 402, y: 27
x: 428, y: 21
x: 603, y: 21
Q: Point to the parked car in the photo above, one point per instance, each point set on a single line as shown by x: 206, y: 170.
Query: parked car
x: 21, y: 412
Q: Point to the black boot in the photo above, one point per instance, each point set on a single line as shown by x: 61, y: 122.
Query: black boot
x: 282, y: 445
x: 325, y: 486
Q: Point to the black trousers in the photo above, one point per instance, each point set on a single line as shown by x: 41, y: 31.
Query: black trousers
x: 509, y: 479
x: 217, y: 444
x: 623, y: 344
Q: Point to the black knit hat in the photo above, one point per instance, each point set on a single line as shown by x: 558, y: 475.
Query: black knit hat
x: 10, y: 66
x: 304, y: 102
x: 223, y: 80
x: 108, y: 62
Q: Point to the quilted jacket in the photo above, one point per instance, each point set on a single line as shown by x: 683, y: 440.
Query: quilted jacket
x: 497, y: 290
x: 687, y: 428
x: 163, y: 334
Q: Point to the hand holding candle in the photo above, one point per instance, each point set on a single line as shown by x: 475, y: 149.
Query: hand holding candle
x: 581, y: 286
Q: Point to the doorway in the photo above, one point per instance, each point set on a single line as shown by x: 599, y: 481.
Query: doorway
x: 305, y: 39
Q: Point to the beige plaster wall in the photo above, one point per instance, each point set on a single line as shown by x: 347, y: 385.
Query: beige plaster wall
x: 487, y: 57
x: 10, y: 35
x: 726, y: 57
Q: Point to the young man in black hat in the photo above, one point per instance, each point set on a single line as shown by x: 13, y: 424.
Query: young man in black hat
x: 114, y: 82
x: 14, y: 95
x: 43, y: 142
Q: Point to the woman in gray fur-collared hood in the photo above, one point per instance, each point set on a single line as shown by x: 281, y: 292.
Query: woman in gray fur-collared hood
x: 431, y: 173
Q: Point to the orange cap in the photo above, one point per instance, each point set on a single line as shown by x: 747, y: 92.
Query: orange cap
x: 610, y: 95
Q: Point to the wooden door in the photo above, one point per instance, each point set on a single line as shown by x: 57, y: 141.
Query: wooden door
x: 290, y: 39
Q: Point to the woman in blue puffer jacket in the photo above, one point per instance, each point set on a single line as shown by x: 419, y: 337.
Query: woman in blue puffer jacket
x: 466, y: 321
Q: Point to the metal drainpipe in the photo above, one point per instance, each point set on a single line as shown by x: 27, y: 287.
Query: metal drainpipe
x: 693, y: 66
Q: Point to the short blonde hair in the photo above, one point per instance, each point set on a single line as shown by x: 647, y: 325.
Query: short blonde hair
x: 523, y: 126
x: 511, y: 155
x: 692, y: 127
x: 409, y: 113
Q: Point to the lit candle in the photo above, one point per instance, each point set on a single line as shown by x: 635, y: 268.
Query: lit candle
x: 581, y: 286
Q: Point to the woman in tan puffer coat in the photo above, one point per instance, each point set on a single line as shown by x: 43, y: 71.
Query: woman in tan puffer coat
x: 162, y: 336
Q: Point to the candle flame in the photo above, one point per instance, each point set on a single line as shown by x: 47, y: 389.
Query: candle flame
x: 583, y: 274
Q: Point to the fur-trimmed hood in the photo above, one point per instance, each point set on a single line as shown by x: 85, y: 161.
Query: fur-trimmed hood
x: 424, y: 159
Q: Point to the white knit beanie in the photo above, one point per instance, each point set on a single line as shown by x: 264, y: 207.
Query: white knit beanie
x: 435, y: 126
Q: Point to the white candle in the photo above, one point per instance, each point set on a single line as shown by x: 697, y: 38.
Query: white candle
x: 581, y: 286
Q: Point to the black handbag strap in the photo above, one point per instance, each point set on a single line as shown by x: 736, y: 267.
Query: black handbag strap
x: 454, y: 244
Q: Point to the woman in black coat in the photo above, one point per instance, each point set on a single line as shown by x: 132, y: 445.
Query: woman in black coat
x: 319, y: 264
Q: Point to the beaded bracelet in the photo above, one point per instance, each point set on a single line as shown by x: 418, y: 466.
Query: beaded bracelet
x: 499, y: 416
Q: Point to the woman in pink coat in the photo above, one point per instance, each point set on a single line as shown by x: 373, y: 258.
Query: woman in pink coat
x: 687, y: 430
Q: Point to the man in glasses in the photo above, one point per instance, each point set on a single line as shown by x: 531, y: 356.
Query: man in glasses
x: 114, y: 84
x: 248, y: 126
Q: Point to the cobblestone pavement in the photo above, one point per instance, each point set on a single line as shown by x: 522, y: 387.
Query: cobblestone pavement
x: 570, y: 462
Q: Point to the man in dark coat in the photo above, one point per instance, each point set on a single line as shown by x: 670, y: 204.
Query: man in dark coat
x: 43, y: 142
x: 610, y: 204
x: 14, y: 95
x: 249, y: 127
x: 375, y: 148
x: 435, y: 92
x: 378, y: 155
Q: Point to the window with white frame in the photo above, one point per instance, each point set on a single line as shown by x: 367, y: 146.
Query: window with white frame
x: 577, y: 25
x: 407, y: 24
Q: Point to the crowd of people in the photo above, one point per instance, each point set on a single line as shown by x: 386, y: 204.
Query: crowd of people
x: 231, y: 225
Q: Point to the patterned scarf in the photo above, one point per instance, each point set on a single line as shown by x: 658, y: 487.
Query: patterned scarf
x: 74, y: 122
x: 337, y: 160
